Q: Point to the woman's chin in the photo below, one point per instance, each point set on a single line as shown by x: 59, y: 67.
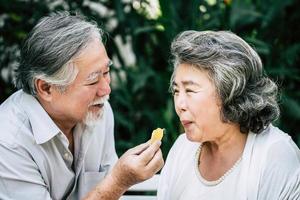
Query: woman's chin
x: 192, y: 136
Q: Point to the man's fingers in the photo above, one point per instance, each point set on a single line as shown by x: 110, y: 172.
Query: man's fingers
x: 148, y: 153
x: 138, y: 149
x: 157, y: 162
x: 139, y: 163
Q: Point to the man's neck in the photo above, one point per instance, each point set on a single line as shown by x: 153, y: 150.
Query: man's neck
x: 68, y: 132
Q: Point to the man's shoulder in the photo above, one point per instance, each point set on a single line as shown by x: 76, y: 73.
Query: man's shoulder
x: 13, y: 120
x: 14, y: 130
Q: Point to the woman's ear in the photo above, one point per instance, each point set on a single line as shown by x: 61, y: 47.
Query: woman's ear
x: 43, y: 89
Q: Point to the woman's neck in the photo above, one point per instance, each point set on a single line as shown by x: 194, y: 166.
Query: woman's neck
x: 219, y: 156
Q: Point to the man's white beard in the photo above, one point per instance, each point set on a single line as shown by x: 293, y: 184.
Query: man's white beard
x: 92, y: 117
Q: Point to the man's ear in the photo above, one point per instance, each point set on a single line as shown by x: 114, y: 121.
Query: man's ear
x: 43, y: 89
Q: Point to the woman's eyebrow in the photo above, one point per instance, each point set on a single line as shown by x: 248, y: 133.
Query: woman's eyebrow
x: 185, y: 83
x: 189, y: 83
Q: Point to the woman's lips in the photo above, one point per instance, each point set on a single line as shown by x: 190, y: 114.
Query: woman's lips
x: 186, y: 123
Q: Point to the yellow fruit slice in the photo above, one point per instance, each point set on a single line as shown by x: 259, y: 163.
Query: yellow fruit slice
x: 157, y: 134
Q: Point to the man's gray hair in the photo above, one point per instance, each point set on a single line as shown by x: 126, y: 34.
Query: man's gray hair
x: 249, y: 98
x: 50, y: 48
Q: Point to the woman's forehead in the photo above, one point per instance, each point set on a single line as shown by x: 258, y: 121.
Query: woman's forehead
x: 190, y: 73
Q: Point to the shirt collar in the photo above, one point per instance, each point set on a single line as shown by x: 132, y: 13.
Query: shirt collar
x: 42, y: 125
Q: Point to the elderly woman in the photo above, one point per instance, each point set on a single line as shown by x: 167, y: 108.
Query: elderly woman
x: 225, y: 103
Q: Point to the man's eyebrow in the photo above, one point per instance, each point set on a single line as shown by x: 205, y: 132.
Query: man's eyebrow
x: 93, y: 75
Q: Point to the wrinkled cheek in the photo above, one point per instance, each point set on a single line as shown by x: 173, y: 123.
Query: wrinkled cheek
x: 176, y: 109
x: 84, y: 110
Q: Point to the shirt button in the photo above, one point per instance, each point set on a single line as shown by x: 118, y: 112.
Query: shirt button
x: 66, y: 155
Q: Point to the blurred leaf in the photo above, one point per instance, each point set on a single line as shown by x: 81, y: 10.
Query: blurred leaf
x: 260, y: 46
x: 292, y: 54
x: 291, y: 106
x: 243, y: 13
x: 274, y: 7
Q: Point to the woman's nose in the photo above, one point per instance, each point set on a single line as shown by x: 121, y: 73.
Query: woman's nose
x: 180, y: 102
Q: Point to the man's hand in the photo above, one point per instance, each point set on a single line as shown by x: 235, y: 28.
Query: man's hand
x: 138, y: 164
x: 134, y: 166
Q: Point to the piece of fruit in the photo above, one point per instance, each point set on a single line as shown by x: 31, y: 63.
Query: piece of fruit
x: 157, y: 134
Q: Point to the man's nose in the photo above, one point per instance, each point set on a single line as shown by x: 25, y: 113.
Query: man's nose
x: 104, y: 87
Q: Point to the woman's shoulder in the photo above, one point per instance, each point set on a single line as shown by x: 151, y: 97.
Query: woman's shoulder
x: 279, y: 158
x: 279, y: 148
x: 273, y: 136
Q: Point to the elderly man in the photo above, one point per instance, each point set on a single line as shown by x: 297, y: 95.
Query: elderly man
x: 56, y: 138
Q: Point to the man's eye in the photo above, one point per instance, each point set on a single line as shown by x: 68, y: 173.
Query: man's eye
x: 106, y: 73
x: 93, y: 83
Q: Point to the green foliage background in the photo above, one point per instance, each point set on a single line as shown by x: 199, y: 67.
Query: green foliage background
x: 140, y: 97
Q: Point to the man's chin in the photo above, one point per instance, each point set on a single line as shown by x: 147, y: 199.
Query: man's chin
x: 92, y: 118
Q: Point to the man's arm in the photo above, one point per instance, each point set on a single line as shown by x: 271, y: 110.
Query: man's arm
x: 136, y: 165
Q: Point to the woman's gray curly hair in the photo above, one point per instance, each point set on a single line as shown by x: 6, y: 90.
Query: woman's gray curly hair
x: 248, y: 97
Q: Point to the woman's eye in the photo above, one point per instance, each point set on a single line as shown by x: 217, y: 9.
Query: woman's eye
x: 174, y: 92
x: 189, y: 91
